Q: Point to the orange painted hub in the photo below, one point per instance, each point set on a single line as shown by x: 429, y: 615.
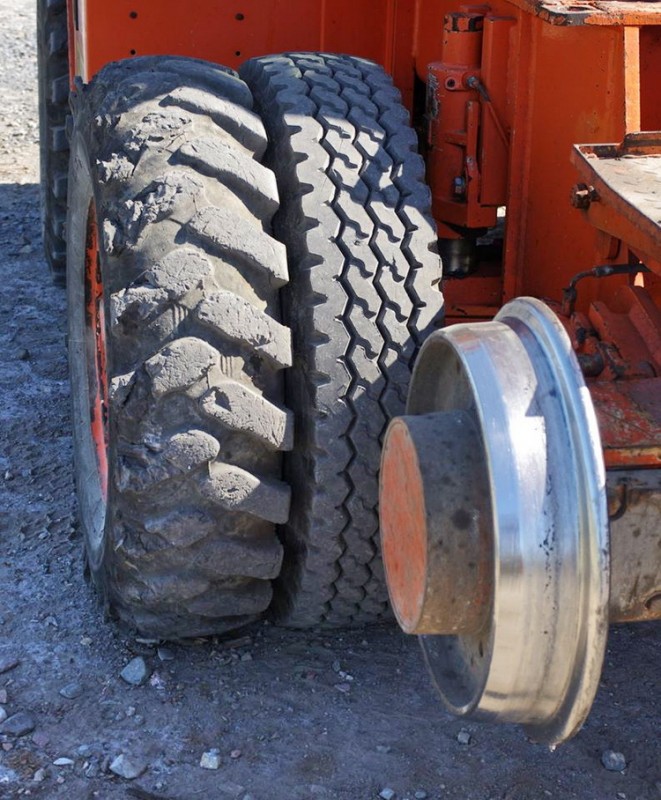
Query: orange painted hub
x: 96, y: 350
x: 436, y: 523
x: 403, y: 525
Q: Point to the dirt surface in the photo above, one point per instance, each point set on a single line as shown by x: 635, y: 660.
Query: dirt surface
x: 290, y: 715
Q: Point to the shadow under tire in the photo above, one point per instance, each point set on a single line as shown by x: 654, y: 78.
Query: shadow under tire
x: 355, y: 216
x: 176, y: 346
x: 53, y: 86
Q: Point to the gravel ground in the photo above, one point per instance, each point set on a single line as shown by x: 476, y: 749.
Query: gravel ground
x: 270, y: 713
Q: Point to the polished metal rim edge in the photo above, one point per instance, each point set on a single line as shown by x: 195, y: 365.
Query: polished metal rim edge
x: 593, y: 569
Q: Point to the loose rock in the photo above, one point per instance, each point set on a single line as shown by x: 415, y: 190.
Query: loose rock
x: 420, y: 795
x: 7, y: 662
x: 3, y: 714
x: 127, y: 767
x: 18, y: 724
x: 135, y: 672
x: 613, y: 761
x: 40, y: 738
x: 210, y: 760
x: 39, y: 775
x: 63, y: 762
x: 71, y: 691
x: 464, y: 737
x: 3, y: 696
x: 387, y: 794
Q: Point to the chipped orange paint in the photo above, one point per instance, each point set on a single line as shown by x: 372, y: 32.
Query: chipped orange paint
x: 403, y: 520
x: 96, y: 344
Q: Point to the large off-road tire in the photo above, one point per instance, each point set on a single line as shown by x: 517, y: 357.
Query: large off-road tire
x: 355, y: 216
x: 173, y: 287
x: 53, y: 82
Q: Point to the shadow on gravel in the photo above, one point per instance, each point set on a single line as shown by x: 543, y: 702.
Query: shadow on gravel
x: 20, y: 226
x: 328, y: 715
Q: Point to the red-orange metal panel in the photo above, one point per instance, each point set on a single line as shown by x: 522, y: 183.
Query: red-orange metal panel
x: 573, y: 90
x: 229, y: 32
x: 650, y: 78
x: 629, y: 414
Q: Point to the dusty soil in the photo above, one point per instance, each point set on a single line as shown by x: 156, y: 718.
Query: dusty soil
x: 291, y: 715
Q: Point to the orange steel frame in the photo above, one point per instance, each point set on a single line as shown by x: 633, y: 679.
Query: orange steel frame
x: 547, y: 74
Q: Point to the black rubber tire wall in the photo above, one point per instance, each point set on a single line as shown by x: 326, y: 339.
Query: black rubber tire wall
x: 53, y: 82
x: 168, y: 149
x: 355, y: 216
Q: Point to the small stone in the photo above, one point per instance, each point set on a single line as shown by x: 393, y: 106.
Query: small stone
x: 420, y: 795
x: 156, y: 681
x: 40, y: 738
x: 343, y: 687
x: 383, y: 748
x: 19, y: 724
x: 3, y: 696
x: 464, y: 737
x: 621, y: 796
x: 127, y: 767
x: 3, y: 714
x: 59, y: 779
x: 71, y: 691
x: 336, y: 666
x: 246, y: 657
x: 210, y: 760
x: 86, y: 641
x: 92, y: 771
x: 63, y: 762
x: 135, y: 672
x: 7, y: 662
x: 7, y: 746
x: 165, y: 654
x: 387, y: 794
x: 613, y: 761
x: 235, y: 754
x: 39, y: 775
x: 130, y: 711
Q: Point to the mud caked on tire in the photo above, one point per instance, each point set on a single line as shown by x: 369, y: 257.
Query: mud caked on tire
x: 173, y: 289
x: 53, y: 83
x: 355, y: 216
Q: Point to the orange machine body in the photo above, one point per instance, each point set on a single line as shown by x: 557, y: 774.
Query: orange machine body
x: 500, y: 93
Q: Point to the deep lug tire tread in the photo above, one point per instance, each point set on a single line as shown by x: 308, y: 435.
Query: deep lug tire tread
x: 197, y: 422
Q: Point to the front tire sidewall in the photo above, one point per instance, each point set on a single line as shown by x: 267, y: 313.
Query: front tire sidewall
x: 92, y: 506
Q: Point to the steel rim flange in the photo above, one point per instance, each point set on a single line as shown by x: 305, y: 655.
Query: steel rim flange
x: 536, y: 658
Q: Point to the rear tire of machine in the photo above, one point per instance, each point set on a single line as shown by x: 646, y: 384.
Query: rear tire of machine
x: 53, y: 86
x: 356, y: 219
